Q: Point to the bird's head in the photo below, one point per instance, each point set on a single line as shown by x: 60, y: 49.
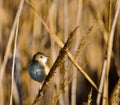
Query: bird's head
x: 39, y: 56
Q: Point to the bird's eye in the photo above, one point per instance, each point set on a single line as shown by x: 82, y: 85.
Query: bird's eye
x: 41, y: 56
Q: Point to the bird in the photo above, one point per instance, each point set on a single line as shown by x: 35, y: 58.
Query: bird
x: 38, y: 68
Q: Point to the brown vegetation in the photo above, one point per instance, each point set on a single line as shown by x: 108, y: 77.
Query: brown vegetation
x: 81, y: 37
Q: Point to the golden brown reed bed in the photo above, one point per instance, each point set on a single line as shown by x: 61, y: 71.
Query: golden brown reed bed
x: 92, y: 59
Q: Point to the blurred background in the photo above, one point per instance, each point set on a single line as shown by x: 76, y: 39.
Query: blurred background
x: 62, y: 16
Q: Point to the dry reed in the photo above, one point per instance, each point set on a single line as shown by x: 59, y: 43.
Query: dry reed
x: 45, y: 25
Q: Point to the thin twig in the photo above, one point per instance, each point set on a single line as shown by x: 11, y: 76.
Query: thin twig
x: 101, y: 83
x: 14, y: 53
x: 13, y: 65
x: 66, y: 94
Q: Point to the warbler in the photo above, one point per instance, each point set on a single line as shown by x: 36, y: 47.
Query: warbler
x: 38, y: 69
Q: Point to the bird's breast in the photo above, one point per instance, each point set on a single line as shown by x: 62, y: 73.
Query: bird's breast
x: 37, y: 71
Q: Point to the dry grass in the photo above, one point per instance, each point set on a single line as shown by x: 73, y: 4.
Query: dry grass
x: 90, y: 60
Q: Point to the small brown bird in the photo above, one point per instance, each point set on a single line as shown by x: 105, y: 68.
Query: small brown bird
x: 38, y: 69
